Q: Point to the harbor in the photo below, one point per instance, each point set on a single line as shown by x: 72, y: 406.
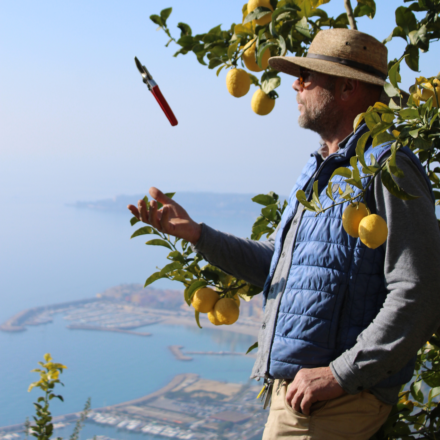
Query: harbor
x: 188, y: 407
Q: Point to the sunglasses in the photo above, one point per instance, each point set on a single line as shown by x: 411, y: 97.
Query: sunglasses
x: 304, y: 77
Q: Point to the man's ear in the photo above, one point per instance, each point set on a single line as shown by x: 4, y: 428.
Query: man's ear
x: 349, y: 88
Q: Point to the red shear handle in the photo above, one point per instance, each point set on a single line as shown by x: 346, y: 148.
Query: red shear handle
x: 164, y: 105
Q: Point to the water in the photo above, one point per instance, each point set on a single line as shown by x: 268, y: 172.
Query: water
x: 54, y: 253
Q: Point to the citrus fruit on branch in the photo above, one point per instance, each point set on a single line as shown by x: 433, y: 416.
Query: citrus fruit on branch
x: 238, y: 82
x: 254, y: 4
x: 373, y: 231
x: 226, y: 311
x: 261, y: 103
x: 352, y: 216
x: 250, y: 61
x: 204, y: 299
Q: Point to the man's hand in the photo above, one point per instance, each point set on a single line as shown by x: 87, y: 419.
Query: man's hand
x: 171, y: 218
x: 312, y: 385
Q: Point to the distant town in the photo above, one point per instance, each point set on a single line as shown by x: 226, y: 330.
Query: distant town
x: 189, y: 407
x: 128, y: 307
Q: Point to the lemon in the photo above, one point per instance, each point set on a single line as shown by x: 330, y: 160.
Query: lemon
x: 253, y: 4
x: 213, y: 318
x: 238, y: 82
x: 204, y: 299
x: 373, y: 231
x: 251, y: 63
x: 261, y: 103
x: 226, y: 311
x: 351, y: 218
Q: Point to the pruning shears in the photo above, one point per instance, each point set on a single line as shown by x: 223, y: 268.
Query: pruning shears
x: 154, y: 89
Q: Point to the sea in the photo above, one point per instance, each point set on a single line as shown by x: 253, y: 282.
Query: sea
x: 52, y: 252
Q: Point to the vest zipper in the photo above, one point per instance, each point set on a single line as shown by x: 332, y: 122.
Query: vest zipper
x: 267, y: 376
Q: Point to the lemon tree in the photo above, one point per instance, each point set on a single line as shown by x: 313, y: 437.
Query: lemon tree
x: 282, y: 27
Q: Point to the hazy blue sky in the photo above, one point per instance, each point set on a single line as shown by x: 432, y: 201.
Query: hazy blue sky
x: 78, y: 123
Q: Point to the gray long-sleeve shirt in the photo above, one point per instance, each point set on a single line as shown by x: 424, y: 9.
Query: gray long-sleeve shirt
x: 411, y: 312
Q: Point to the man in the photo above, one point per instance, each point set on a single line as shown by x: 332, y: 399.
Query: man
x: 342, y: 323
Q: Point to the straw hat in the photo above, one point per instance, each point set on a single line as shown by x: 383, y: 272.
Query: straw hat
x: 340, y: 52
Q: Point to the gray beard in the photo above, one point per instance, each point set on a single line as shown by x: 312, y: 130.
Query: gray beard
x: 322, y: 117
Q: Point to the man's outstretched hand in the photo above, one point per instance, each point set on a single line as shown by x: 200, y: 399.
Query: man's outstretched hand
x: 312, y: 385
x: 171, y: 218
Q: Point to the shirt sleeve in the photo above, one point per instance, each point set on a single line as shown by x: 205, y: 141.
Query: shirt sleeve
x: 410, y: 314
x: 246, y: 259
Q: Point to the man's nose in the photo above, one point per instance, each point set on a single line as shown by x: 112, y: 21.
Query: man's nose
x: 296, y: 85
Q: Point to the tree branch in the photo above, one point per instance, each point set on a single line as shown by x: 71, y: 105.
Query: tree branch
x: 350, y: 14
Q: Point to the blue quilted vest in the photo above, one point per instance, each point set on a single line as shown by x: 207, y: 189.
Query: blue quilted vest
x: 336, y: 285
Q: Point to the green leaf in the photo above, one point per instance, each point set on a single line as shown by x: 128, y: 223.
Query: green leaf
x: 315, y: 194
x: 388, y: 117
x: 341, y: 171
x: 346, y: 195
x: 392, y: 163
x: 356, y: 177
x: 185, y: 30
x: 302, y: 26
x: 362, y: 10
x: 358, y: 120
x: 360, y: 153
x: 165, y: 13
x: 256, y: 14
x: 260, y: 52
x: 176, y: 256
x: 196, y: 315
x: 159, y: 242
x: 380, y: 128
x: 416, y: 391
x: 157, y: 20
x: 270, y: 211
x: 391, y: 91
x: 270, y: 81
x: 152, y: 278
x: 252, y: 347
x: 406, y: 19
x: 254, y: 80
x: 264, y: 199
x: 133, y: 221
x: 382, y: 138
x: 372, y: 119
x: 412, y: 58
x: 282, y: 45
x: 392, y: 186
x: 233, y: 48
x: 301, y: 197
x: 394, y: 74
x: 409, y: 113
x: 144, y: 231
x: 220, y: 69
x: 192, y: 288
x: 171, y: 267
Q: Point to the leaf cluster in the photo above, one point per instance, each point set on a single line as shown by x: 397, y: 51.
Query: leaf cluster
x: 412, y: 124
x: 417, y: 33
x: 42, y: 428
x: 185, y: 265
x: 49, y: 377
x: 293, y: 25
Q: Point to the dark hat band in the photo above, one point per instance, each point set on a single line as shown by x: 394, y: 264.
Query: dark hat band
x: 360, y: 66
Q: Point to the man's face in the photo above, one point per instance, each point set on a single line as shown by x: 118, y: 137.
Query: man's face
x: 316, y: 101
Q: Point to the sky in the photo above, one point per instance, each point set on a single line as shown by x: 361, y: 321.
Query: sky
x: 77, y: 123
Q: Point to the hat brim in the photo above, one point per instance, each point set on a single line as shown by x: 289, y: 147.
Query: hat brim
x: 291, y: 66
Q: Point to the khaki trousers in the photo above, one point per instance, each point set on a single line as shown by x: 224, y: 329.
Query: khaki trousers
x: 350, y: 417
